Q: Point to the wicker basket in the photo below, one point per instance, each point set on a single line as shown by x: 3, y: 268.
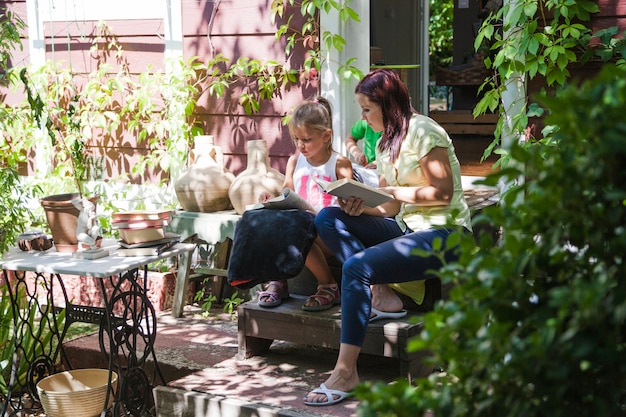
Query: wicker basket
x: 80, y: 392
x: 461, y: 75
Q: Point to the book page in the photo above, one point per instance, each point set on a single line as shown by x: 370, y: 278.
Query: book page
x: 288, y: 199
x: 347, y: 187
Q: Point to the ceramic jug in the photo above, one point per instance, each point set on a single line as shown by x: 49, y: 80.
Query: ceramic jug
x: 203, y: 187
x: 258, y: 177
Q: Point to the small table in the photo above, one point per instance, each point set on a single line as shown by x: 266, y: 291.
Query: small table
x: 212, y: 229
x: 35, y: 282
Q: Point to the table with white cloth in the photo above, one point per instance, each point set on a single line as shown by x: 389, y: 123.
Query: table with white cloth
x: 42, y: 315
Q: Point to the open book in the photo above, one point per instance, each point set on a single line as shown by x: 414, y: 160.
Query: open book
x: 347, y: 187
x: 288, y: 199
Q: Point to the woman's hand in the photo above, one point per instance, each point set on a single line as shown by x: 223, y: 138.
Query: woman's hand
x: 352, y: 206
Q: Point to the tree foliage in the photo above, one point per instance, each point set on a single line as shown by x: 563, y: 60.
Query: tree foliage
x: 253, y: 81
x: 535, y: 326
x: 440, y: 33
x: 12, y: 155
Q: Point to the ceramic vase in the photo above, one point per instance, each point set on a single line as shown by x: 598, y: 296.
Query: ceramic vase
x: 203, y: 187
x: 257, y: 178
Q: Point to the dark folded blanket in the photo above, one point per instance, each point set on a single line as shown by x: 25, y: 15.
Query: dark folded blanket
x: 270, y: 245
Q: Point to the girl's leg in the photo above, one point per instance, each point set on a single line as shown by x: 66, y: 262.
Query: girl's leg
x: 327, y: 294
x: 317, y: 264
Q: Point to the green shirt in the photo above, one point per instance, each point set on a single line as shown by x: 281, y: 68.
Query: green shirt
x: 361, y: 130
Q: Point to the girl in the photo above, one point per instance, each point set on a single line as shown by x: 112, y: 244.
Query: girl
x: 310, y: 127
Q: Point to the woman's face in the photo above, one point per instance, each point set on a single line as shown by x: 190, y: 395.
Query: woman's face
x: 371, y: 112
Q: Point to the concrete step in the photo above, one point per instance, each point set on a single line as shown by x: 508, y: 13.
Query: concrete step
x: 198, y: 359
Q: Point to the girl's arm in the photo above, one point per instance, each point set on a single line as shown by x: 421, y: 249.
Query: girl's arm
x: 343, y: 168
x: 288, y: 183
x: 289, y: 170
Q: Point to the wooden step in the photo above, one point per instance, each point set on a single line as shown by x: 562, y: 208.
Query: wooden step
x: 258, y: 327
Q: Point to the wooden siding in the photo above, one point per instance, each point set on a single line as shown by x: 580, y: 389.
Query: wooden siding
x: 239, y: 28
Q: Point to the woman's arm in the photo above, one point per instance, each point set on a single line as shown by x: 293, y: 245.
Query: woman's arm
x: 355, y: 206
x: 438, y: 172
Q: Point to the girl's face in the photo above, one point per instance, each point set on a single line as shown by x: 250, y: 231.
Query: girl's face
x: 371, y: 112
x: 311, y: 142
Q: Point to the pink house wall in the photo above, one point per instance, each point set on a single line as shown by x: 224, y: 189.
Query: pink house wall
x: 240, y: 28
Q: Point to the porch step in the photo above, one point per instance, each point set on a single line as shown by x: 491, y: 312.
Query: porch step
x: 198, y: 359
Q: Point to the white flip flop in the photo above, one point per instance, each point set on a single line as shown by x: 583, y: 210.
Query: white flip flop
x: 334, y: 396
x: 383, y: 315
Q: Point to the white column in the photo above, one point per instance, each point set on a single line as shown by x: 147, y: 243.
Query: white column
x: 337, y: 89
x: 36, y: 39
x: 173, y: 22
x: 513, y: 98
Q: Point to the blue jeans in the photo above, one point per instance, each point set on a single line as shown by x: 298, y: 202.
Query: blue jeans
x: 374, y: 250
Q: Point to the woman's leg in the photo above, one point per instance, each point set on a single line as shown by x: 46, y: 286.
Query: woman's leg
x: 346, y: 235
x: 344, y: 376
x: 388, y: 262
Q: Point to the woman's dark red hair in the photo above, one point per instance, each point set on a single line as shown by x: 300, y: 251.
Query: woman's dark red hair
x: 384, y: 87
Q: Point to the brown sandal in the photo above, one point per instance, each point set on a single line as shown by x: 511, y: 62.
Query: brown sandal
x: 326, y: 297
x: 273, y: 298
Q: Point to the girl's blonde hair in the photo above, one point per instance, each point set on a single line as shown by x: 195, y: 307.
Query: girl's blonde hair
x: 316, y: 114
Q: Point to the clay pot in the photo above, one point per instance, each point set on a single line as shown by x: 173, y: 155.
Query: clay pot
x: 203, y: 187
x: 62, y: 219
x: 258, y: 177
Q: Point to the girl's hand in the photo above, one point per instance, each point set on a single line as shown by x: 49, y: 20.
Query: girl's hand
x: 264, y: 196
x: 352, y: 206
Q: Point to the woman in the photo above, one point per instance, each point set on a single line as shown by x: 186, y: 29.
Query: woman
x: 418, y: 166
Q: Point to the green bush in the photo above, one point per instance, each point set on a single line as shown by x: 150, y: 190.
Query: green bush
x: 536, y: 326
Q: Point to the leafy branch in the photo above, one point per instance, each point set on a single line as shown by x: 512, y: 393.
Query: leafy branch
x: 262, y: 81
x: 538, y: 38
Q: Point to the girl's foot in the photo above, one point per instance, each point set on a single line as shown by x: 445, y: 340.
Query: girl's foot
x: 326, y: 297
x: 274, y: 294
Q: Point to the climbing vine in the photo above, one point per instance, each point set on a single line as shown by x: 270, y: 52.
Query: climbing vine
x: 264, y: 80
x: 538, y: 38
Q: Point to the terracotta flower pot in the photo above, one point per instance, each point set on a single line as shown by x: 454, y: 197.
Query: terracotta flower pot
x: 62, y: 219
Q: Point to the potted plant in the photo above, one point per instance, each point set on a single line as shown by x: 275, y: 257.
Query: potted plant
x: 54, y: 105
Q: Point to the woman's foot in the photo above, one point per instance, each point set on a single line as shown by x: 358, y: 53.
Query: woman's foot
x: 326, y: 297
x: 385, y: 299
x: 342, y: 383
x: 274, y: 294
